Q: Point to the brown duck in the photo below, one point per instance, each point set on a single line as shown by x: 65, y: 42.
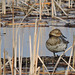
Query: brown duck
x: 56, y: 41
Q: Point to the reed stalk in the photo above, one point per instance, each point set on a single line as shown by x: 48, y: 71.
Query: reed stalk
x: 10, y: 62
x: 34, y: 50
x: 43, y: 5
x: 38, y: 73
x: 69, y: 3
x: 74, y: 51
x: 60, y: 8
x: 0, y: 46
x: 61, y: 19
x: 4, y: 6
x: 52, y: 8
x: 60, y: 59
x: 37, y: 52
x: 4, y: 73
x: 30, y: 56
x: 19, y: 58
x: 43, y: 69
x: 68, y: 64
x: 40, y: 10
x: 43, y: 64
x: 15, y: 53
x: 13, y: 37
x: 66, y: 73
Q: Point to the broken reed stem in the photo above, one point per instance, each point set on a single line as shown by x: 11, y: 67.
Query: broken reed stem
x: 38, y: 73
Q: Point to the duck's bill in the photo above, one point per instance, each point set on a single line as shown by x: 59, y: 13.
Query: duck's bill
x: 63, y: 36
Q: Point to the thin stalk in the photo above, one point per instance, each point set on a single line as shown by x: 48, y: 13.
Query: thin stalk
x: 0, y: 46
x: 34, y: 50
x: 4, y: 63
x: 13, y: 37
x: 52, y: 8
x: 68, y: 64
x: 66, y: 73
x: 37, y: 49
x: 60, y: 59
x: 15, y: 53
x: 40, y: 10
x: 69, y: 3
x: 74, y: 51
x: 30, y: 56
x: 60, y: 8
x: 43, y: 64
x: 19, y: 58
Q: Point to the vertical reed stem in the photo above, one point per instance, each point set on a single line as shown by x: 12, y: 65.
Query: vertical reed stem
x: 69, y: 3
x: 13, y: 37
x: 30, y: 56
x: 19, y: 58
x: 40, y: 9
x: 43, y: 69
x: 4, y: 63
x: 15, y: 52
x: 52, y: 9
x: 66, y: 73
x: 0, y: 46
x: 74, y: 51
x: 4, y: 6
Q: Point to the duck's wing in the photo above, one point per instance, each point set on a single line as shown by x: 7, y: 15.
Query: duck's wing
x: 53, y: 41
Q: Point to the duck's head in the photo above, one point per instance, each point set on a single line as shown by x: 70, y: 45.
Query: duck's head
x: 56, y: 32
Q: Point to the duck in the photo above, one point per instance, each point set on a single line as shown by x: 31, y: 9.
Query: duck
x: 56, y: 42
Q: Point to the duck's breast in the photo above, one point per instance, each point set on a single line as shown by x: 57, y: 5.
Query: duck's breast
x: 55, y: 45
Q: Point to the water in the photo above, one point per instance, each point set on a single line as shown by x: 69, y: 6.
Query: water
x: 24, y: 40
